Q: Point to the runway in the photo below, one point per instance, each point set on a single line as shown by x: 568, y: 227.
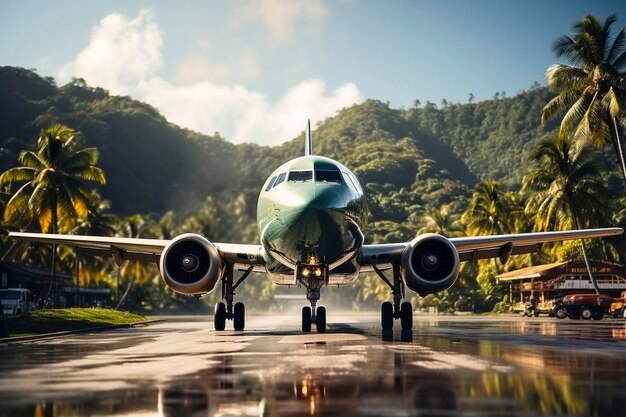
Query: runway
x: 448, y: 366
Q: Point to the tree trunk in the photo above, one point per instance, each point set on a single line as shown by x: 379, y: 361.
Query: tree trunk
x: 584, y: 248
x: 130, y: 284
x: 53, y: 283
x: 620, y: 151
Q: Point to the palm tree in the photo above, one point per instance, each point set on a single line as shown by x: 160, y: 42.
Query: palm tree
x: 591, y: 91
x: 487, y: 212
x: 99, y: 222
x: 441, y: 221
x: 54, y: 182
x: 134, y: 227
x: 566, y: 188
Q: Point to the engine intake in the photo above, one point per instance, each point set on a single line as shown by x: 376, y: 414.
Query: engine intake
x: 430, y: 263
x: 191, y: 264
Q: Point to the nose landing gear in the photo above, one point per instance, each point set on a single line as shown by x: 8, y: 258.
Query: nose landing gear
x: 313, y: 314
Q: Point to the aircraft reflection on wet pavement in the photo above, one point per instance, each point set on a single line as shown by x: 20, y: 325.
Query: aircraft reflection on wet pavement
x: 454, y: 367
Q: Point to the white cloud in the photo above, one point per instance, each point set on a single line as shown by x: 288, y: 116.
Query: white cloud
x: 241, y: 65
x: 123, y: 56
x: 246, y: 116
x: 120, y: 53
x: 279, y: 17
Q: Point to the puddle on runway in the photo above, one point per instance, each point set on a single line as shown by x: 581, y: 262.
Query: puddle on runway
x: 444, y: 371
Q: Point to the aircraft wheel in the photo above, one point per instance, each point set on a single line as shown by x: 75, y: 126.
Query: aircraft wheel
x: 306, y: 319
x: 219, y: 319
x: 320, y: 319
x: 386, y: 315
x: 586, y: 313
x: 239, y: 319
x: 406, y: 316
x: 624, y: 312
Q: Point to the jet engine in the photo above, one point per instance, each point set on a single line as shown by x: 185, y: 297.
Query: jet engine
x: 191, y: 265
x: 430, y: 263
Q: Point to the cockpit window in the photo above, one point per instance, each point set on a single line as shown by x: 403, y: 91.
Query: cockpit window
x: 323, y: 175
x: 352, y: 180
x: 300, y: 176
x: 280, y: 179
x: 270, y: 184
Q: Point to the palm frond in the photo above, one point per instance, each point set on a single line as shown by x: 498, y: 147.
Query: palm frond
x: 17, y: 174
x: 84, y: 157
x: 31, y: 159
x: 558, y: 105
x: 617, y: 48
x: 576, y: 112
x: 565, y: 47
x: 17, y: 207
x: 616, y: 107
x: 89, y: 173
x: 564, y: 77
x: 620, y: 62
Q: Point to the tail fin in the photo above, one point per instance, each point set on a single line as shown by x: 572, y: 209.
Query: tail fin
x: 308, y: 140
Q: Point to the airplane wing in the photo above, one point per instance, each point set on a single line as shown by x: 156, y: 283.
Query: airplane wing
x: 483, y: 247
x: 135, y: 249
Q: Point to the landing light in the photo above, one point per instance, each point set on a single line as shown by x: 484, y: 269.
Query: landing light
x: 306, y: 272
x: 318, y: 272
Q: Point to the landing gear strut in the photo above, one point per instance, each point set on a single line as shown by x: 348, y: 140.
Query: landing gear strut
x: 313, y: 314
x: 230, y: 310
x: 398, y: 310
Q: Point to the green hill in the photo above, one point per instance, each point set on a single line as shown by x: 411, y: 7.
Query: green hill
x: 407, y: 159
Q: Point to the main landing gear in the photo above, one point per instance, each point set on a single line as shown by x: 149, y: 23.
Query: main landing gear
x: 313, y: 315
x: 230, y: 310
x: 398, y: 310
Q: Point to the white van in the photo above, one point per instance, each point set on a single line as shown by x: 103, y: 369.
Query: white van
x: 16, y: 300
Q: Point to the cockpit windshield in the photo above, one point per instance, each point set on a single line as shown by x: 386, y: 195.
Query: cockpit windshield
x: 300, y: 176
x: 323, y: 175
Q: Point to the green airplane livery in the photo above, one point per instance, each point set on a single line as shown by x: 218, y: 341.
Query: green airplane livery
x: 312, y: 217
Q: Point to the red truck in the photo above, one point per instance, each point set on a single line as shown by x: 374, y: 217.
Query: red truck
x: 592, y: 306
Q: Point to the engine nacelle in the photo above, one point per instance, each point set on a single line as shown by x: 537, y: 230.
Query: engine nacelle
x: 430, y: 263
x: 191, y: 265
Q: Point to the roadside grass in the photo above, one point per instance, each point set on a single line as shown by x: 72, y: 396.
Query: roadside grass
x: 59, y: 320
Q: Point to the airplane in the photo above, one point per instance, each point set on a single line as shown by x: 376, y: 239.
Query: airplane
x: 312, y: 216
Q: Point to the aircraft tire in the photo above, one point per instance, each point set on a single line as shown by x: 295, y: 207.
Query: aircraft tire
x: 320, y: 320
x: 406, y: 316
x: 306, y: 319
x: 624, y: 312
x: 219, y: 319
x: 239, y: 319
x: 386, y: 315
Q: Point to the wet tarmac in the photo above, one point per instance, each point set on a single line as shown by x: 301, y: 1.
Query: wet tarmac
x: 448, y: 366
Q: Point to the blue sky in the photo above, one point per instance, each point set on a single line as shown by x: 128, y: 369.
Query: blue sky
x: 255, y: 70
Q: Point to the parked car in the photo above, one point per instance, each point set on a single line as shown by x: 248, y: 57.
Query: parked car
x: 587, y: 306
x: 16, y: 300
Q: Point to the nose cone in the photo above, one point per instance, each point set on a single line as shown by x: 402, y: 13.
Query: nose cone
x: 315, y: 228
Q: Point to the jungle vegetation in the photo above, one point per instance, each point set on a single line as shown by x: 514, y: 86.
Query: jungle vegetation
x: 545, y: 158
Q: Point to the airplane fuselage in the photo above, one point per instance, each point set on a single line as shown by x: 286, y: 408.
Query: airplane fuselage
x: 311, y: 216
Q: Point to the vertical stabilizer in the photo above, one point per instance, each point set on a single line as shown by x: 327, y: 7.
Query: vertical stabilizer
x: 308, y: 139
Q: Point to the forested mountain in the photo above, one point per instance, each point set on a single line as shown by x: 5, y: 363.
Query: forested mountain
x: 419, y: 167
x: 409, y: 160
x: 153, y: 165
